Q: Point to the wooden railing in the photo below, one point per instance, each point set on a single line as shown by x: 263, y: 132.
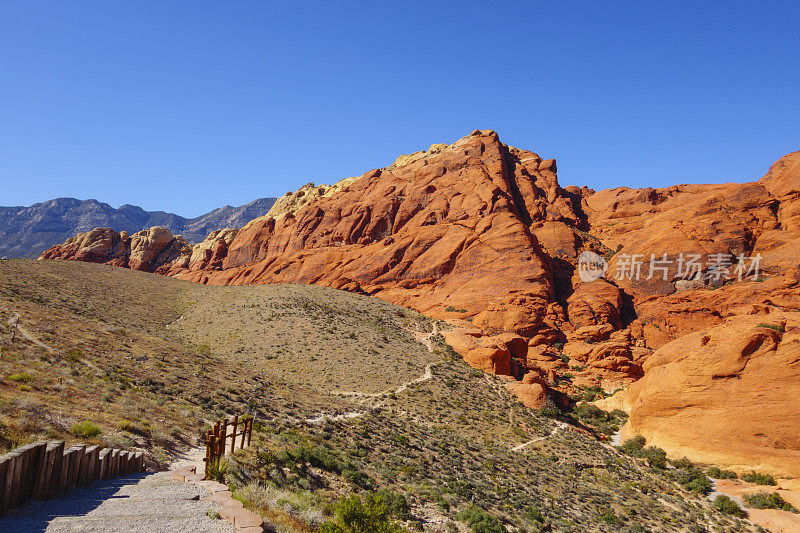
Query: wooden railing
x: 225, y: 431
x: 42, y: 470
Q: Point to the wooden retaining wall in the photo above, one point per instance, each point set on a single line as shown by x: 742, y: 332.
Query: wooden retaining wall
x: 41, y: 470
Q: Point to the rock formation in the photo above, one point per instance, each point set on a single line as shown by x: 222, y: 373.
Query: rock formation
x: 724, y: 395
x: 146, y: 250
x: 481, y: 234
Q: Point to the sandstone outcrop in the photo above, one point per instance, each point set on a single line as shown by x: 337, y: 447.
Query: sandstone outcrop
x: 146, y: 250
x: 724, y: 395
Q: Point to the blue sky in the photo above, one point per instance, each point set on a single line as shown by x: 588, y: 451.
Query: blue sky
x: 186, y: 106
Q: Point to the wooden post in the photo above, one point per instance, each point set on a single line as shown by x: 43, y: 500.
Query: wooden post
x: 7, y: 468
x: 76, y: 457
x: 212, y: 443
x: 4, y: 461
x: 103, y: 459
x: 249, y: 430
x: 88, y: 466
x: 233, y: 436
x: 35, y: 465
x: 223, y: 438
x: 45, y: 472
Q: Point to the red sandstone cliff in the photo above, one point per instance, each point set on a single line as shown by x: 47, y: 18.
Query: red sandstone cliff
x: 482, y: 234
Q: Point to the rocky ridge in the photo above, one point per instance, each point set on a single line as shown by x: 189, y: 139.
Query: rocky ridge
x: 481, y: 234
x: 26, y: 232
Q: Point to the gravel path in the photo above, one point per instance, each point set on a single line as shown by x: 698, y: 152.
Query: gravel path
x: 146, y: 503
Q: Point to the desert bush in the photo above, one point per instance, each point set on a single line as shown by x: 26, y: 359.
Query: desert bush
x: 352, y: 515
x: 759, y: 479
x: 776, y: 327
x: 683, y: 462
x: 604, y: 421
x: 22, y: 377
x: 356, y: 477
x: 693, y: 479
x: 634, y: 446
x: 608, y: 516
x: 716, y: 473
x: 534, y: 515
x: 396, y: 503
x: 86, y: 429
x: 725, y: 505
x: 217, y: 470
x: 137, y: 429
x: 765, y: 500
x: 655, y: 456
x: 479, y: 521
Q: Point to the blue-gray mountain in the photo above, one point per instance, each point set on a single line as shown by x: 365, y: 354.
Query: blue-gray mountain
x: 25, y: 232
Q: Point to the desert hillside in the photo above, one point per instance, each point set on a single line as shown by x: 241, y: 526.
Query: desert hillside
x: 351, y: 394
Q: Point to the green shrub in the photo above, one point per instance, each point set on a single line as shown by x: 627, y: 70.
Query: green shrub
x: 634, y: 446
x: 725, y: 505
x: 608, y: 516
x: 396, y: 503
x: 23, y: 377
x: 351, y: 515
x: 759, y: 479
x: 534, y: 515
x: 765, y: 500
x: 683, y: 462
x: 605, y: 422
x: 480, y: 521
x: 356, y: 477
x: 656, y: 457
x: 693, y: 479
x: 716, y: 473
x: 86, y: 429
x: 776, y: 327
x: 217, y: 470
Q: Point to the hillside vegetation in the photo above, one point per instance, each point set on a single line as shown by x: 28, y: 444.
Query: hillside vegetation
x: 362, y: 409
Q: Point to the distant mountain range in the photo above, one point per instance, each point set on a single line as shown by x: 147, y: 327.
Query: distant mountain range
x: 25, y: 232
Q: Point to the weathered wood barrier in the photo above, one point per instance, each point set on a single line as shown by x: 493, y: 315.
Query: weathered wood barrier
x: 41, y: 470
x: 217, y: 438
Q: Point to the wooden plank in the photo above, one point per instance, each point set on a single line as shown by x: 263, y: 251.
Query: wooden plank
x: 124, y: 458
x: 94, y: 463
x: 53, y: 479
x: 6, y: 469
x: 114, y: 463
x: 76, y: 459
x: 12, y: 490
x: 41, y: 481
x: 249, y: 430
x: 88, y: 466
x: 233, y: 437
x: 103, y: 458
x: 31, y: 468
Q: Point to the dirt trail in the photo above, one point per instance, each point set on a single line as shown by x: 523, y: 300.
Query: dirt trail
x: 559, y: 426
x: 14, y: 322
x: 366, y: 396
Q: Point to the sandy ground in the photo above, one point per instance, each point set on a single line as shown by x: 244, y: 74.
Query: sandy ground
x: 772, y: 519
